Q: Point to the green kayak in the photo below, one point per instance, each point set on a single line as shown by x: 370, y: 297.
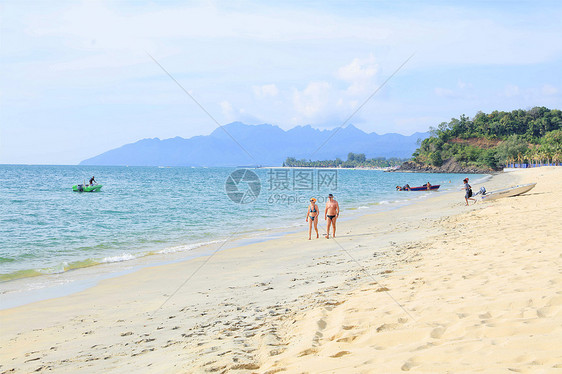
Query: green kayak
x: 86, y: 188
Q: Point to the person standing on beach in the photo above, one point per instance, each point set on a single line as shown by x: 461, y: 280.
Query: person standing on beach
x: 331, y: 214
x: 312, y: 212
x: 468, y: 191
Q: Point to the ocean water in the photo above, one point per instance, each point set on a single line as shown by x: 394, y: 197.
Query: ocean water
x: 46, y: 228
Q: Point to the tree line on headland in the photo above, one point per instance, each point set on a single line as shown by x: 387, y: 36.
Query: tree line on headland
x: 354, y: 160
x: 490, y: 141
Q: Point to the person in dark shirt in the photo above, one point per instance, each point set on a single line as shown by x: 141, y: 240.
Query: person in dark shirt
x: 468, y: 191
x: 92, y: 181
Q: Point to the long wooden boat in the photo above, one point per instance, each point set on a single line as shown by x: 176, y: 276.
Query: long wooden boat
x: 508, y: 192
x: 424, y: 188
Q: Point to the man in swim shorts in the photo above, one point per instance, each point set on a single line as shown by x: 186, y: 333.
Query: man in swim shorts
x: 331, y: 214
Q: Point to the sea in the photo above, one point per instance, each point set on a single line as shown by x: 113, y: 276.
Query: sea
x: 46, y: 228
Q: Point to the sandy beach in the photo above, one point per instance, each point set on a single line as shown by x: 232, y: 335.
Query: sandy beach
x: 431, y: 287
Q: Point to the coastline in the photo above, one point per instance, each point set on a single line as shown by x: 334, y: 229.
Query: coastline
x: 70, y: 278
x: 448, y: 166
x: 238, y: 311
x: 325, y: 168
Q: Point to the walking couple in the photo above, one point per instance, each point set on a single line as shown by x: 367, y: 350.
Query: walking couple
x: 331, y: 214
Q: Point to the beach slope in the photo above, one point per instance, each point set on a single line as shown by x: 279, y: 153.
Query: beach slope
x: 485, y: 296
x: 435, y: 286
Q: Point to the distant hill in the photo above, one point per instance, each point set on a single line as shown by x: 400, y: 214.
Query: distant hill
x: 267, y: 144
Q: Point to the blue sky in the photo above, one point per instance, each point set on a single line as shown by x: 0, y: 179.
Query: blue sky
x: 76, y: 79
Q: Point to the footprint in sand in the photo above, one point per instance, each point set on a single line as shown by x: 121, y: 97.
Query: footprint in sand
x: 545, y: 312
x: 142, y: 352
x: 347, y: 339
x: 555, y: 301
x: 276, y: 352
x: 340, y: 354
x: 409, y: 364
x: 438, y: 332
x: 486, y: 315
x: 307, y: 352
x: 273, y: 371
x: 387, y: 327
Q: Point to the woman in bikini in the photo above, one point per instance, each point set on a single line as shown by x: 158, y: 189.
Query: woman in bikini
x: 312, y: 213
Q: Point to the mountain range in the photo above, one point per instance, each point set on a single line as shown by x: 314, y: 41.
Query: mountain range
x: 237, y: 144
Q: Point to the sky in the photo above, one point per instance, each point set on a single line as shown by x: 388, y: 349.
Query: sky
x: 77, y: 77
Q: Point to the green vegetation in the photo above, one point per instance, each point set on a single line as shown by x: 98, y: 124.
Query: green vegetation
x: 495, y: 139
x: 354, y: 160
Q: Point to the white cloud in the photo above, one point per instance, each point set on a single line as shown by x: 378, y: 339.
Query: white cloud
x: 227, y: 110
x: 359, y: 73
x: 323, y: 103
x: 463, y: 90
x: 549, y: 90
x: 512, y: 90
x: 538, y: 94
x: 442, y: 35
x: 462, y: 85
x: 444, y: 92
x: 409, y: 125
x: 311, y: 101
x: 266, y: 90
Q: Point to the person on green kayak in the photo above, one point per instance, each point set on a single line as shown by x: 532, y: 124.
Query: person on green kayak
x: 92, y: 181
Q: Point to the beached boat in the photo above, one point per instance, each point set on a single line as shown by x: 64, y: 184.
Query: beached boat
x: 86, y: 188
x: 424, y: 188
x: 508, y: 192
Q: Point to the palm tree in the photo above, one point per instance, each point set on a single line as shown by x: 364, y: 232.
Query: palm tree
x: 557, y: 154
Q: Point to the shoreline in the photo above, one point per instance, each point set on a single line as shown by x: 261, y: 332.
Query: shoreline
x: 27, y: 289
x: 324, y: 168
x: 241, y: 311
